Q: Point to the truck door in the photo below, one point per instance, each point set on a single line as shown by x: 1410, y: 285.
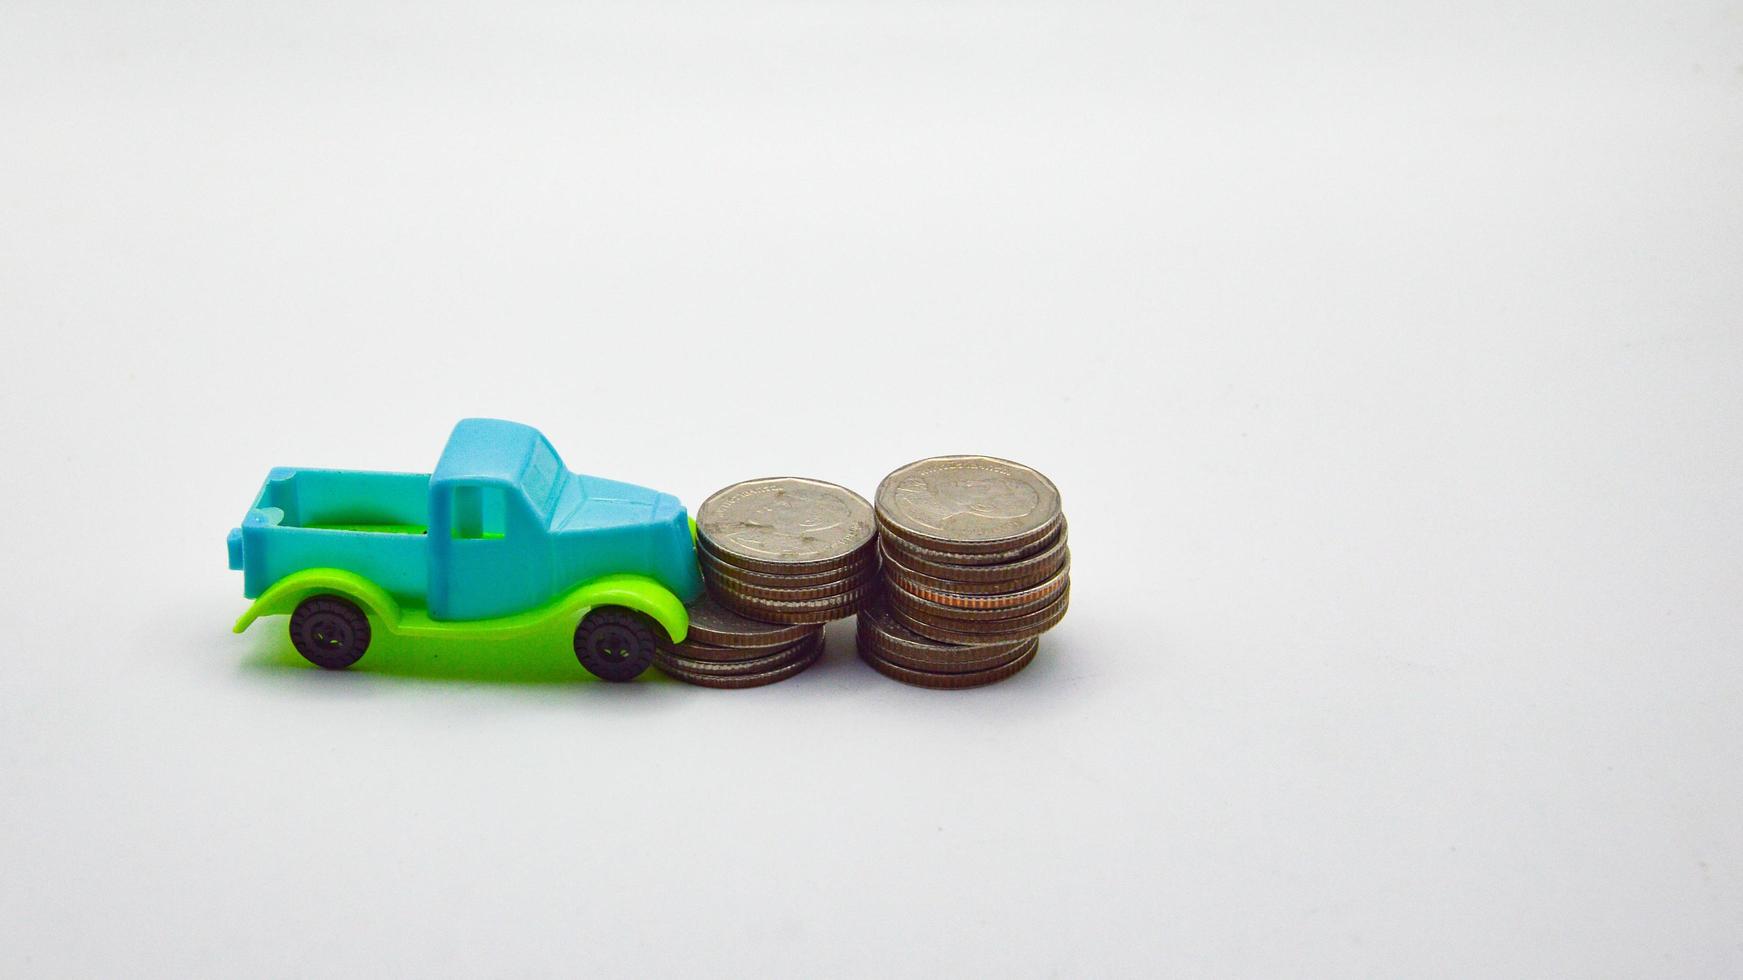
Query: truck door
x: 487, y: 554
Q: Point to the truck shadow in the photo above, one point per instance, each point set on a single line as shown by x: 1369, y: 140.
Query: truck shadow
x: 503, y: 662
x: 546, y: 663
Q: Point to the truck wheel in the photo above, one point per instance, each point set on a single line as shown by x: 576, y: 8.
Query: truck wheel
x: 615, y: 644
x: 329, y: 631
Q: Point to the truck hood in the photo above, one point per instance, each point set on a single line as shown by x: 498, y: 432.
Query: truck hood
x: 605, y: 526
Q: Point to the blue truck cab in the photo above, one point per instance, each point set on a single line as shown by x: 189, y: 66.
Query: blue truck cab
x: 499, y: 540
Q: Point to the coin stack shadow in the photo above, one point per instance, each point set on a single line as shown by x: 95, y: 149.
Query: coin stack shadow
x: 782, y: 557
x: 975, y: 568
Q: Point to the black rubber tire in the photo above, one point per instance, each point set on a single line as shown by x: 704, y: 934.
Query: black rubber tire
x: 329, y: 632
x: 616, y: 644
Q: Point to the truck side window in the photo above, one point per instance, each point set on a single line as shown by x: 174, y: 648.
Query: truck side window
x: 479, y: 512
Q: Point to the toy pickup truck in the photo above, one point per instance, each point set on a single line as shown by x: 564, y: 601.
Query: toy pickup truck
x: 500, y: 541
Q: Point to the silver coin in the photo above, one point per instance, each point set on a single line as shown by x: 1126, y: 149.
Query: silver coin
x: 786, y: 524
x: 809, y: 611
x: 720, y: 582
x: 709, y: 653
x: 968, y: 503
x: 701, y: 679
x: 896, y: 643
x: 716, y: 625
x: 1011, y: 601
x: 1035, y: 562
x: 957, y: 681
x: 897, y: 542
x: 756, y: 665
x: 863, y: 562
x: 918, y: 584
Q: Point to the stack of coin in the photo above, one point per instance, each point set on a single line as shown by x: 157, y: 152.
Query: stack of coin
x: 725, y: 649
x: 898, y: 652
x: 788, y: 550
x: 975, y: 569
x: 781, y: 557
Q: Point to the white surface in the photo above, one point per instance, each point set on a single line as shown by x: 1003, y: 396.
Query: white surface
x: 1389, y: 360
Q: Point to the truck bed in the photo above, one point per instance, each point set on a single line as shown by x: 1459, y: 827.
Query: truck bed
x: 371, y: 528
x: 373, y: 524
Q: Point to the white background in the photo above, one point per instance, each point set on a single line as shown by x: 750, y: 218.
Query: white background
x: 1388, y: 358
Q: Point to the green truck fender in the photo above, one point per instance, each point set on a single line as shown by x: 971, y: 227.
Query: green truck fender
x: 637, y: 592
